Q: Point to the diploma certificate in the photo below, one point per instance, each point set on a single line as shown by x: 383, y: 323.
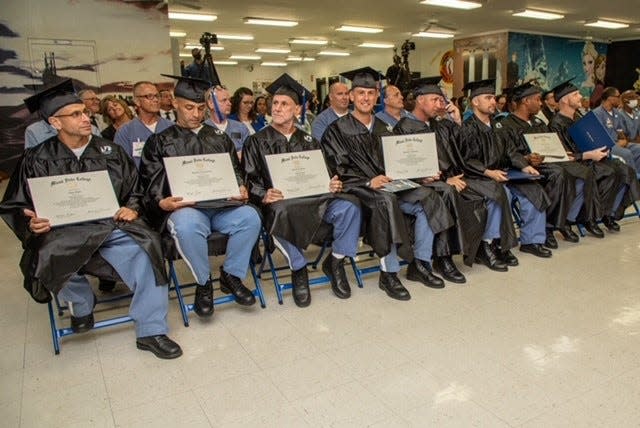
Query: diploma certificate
x: 204, y: 177
x: 410, y: 156
x: 547, y: 144
x: 299, y: 174
x: 74, y: 198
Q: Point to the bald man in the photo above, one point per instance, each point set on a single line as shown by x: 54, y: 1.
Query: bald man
x: 338, y: 107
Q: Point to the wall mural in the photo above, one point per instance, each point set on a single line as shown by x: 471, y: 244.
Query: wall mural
x: 105, y: 45
x: 552, y: 60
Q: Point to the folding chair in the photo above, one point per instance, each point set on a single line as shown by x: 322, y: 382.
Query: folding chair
x: 217, y: 243
x: 323, y: 241
x: 99, y: 268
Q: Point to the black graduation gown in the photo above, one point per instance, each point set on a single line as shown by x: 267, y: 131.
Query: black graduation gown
x: 50, y: 259
x: 355, y: 155
x: 179, y: 141
x: 480, y: 149
x: 558, y: 182
x: 298, y: 220
x: 609, y: 174
x: 467, y: 207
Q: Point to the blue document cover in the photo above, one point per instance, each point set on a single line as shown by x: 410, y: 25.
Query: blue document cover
x: 517, y: 175
x: 589, y: 134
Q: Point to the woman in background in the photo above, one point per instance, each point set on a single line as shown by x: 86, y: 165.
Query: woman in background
x: 600, y: 67
x: 243, y: 110
x: 116, y: 113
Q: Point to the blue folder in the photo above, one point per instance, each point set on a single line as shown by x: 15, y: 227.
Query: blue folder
x: 517, y: 175
x: 589, y: 134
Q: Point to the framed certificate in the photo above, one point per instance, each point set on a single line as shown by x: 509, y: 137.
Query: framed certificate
x: 204, y: 177
x: 74, y: 198
x: 547, y: 144
x: 410, y: 156
x: 299, y: 174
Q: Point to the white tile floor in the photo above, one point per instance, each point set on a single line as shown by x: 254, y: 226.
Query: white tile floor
x: 551, y: 343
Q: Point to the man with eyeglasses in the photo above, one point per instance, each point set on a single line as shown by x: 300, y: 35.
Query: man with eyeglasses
x: 133, y: 135
x: 92, y: 103
x: 53, y: 255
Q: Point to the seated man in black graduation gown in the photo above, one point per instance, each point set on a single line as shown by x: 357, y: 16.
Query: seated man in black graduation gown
x: 569, y: 185
x: 486, y: 158
x: 465, y: 205
x: 53, y: 255
x: 353, y: 151
x: 294, y: 223
x: 616, y: 182
x: 190, y: 223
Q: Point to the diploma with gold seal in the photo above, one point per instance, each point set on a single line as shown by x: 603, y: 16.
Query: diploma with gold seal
x: 73, y: 198
x: 205, y: 177
x: 299, y: 174
x: 547, y: 144
x: 410, y: 156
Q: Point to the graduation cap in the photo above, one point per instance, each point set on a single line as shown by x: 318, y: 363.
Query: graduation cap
x: 426, y: 85
x: 189, y: 88
x: 365, y: 77
x: 565, y: 88
x: 523, y: 91
x: 481, y: 87
x: 287, y: 85
x: 53, y: 99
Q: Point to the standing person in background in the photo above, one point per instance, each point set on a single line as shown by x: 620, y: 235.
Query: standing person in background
x: 262, y: 109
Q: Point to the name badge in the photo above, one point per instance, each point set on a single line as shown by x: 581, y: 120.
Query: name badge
x: 137, y: 148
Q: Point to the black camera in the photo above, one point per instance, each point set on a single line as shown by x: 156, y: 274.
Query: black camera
x: 207, y: 40
x: 408, y: 46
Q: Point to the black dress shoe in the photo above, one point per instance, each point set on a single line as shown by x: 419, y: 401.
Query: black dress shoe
x: 203, y: 302
x: 106, y: 286
x: 550, y: 241
x: 610, y: 224
x: 507, y: 257
x: 160, y: 345
x: 568, y: 234
x: 420, y: 271
x: 300, y: 287
x: 230, y: 284
x: 448, y: 269
x: 390, y: 283
x: 487, y: 256
x: 536, y: 249
x: 593, y: 228
x: 334, y: 269
x: 82, y: 324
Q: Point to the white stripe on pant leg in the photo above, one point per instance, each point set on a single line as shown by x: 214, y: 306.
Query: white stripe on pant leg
x: 173, y: 233
x: 284, y: 253
x: 383, y: 265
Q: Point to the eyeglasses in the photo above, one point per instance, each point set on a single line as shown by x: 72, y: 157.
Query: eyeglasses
x: 90, y: 99
x: 149, y: 97
x: 76, y: 114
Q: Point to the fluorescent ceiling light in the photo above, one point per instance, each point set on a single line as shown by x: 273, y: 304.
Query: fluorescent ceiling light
x: 192, y: 16
x: 308, y: 42
x: 299, y: 58
x: 433, y: 35
x: 273, y: 64
x: 606, y: 24
x: 376, y: 45
x: 225, y: 62
x: 357, y: 29
x: 537, y: 14
x: 247, y: 57
x: 273, y: 50
x: 334, y: 53
x: 177, y: 33
x: 456, y: 4
x: 197, y: 46
x: 235, y: 36
x: 271, y: 22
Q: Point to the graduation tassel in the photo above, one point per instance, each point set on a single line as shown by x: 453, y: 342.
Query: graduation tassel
x: 216, y: 106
